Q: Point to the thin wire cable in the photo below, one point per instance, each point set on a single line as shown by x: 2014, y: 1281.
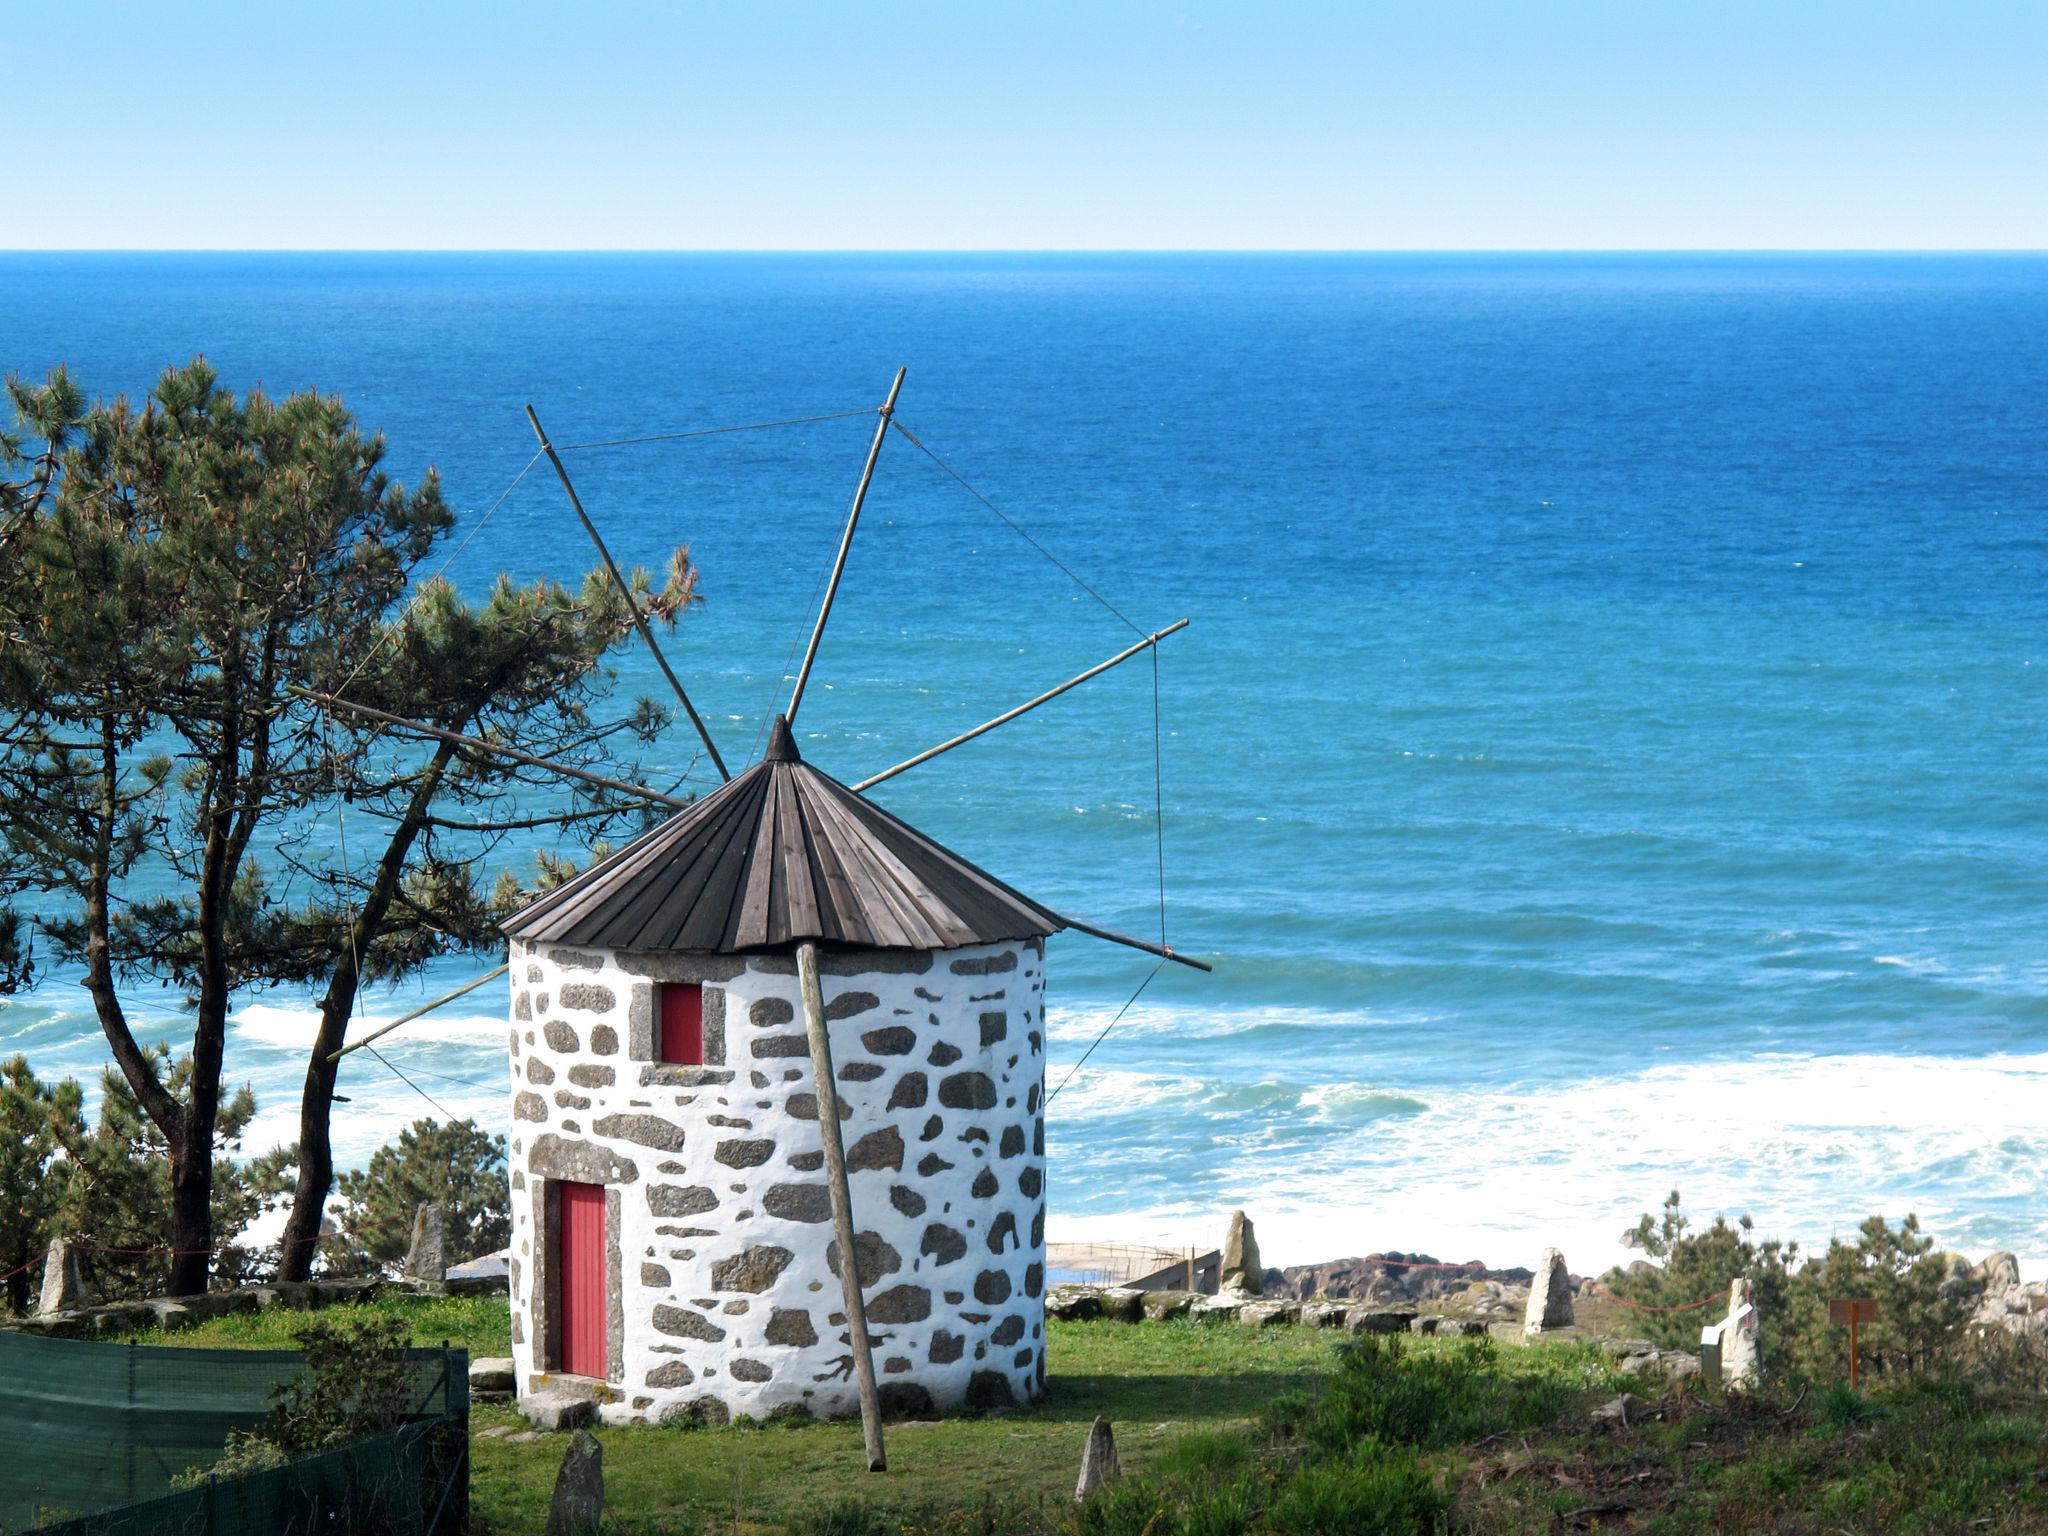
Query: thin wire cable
x: 355, y: 1008
x: 1112, y: 1024
x: 1014, y: 526
x: 415, y: 1087
x: 676, y: 437
x: 1159, y: 797
x: 782, y: 675
x: 418, y: 592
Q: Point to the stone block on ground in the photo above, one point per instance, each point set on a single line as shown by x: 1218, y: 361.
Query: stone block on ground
x: 1219, y: 1309
x: 1121, y: 1304
x: 1098, y: 1461
x: 1618, y: 1410
x: 1321, y: 1314
x: 578, y: 1505
x: 1269, y: 1314
x: 1242, y: 1272
x: 1159, y: 1304
x: 491, y: 1376
x: 1379, y: 1319
x: 559, y: 1405
x: 1550, y: 1296
x: 170, y: 1314
x: 1073, y: 1303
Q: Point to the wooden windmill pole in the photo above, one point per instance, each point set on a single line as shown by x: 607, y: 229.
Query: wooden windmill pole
x: 842, y: 1204
x: 626, y: 592
x: 814, y: 1015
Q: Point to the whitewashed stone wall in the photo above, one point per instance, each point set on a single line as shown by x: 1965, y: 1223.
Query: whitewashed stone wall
x: 725, y: 1297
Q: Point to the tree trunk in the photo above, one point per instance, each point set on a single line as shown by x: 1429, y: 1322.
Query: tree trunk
x: 191, y: 1212
x: 316, y: 1101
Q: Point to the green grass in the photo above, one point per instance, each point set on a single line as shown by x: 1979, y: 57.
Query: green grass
x: 1155, y: 1382
x: 1227, y: 1431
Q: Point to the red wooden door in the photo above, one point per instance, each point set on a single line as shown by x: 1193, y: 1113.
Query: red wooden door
x: 579, y: 1266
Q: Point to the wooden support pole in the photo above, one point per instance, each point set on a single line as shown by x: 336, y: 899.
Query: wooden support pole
x: 626, y: 592
x: 379, y: 1034
x: 860, y: 496
x: 477, y: 743
x: 1007, y: 716
x: 1161, y: 950
x: 842, y: 1199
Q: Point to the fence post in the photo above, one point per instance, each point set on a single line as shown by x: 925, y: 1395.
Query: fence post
x: 128, y: 1426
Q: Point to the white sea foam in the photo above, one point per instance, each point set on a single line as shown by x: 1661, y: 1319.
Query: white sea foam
x: 1807, y: 1144
x: 292, y: 1026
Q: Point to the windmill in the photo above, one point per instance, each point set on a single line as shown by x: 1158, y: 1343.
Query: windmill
x: 696, y: 1169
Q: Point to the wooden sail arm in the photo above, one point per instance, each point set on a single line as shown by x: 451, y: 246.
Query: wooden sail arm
x: 1008, y: 715
x: 424, y: 1008
x: 626, y: 594
x: 477, y: 743
x: 860, y: 496
x: 1163, y: 951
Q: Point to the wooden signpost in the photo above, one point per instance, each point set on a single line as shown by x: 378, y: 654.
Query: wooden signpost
x: 1853, y: 1311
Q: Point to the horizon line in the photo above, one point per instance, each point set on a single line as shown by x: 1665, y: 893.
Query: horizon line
x: 1078, y: 250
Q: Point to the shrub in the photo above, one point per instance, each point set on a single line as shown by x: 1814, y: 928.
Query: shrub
x: 1923, y: 1301
x: 460, y: 1165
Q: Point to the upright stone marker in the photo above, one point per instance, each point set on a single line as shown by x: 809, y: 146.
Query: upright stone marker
x: 1098, y: 1461
x: 63, y: 1286
x: 1550, y: 1297
x: 578, y: 1508
x: 1742, y: 1345
x: 426, y: 1261
x: 1243, y: 1274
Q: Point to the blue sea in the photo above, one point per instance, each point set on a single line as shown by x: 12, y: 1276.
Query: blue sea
x: 1609, y: 754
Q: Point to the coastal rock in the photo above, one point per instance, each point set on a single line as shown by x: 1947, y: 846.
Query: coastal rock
x: 1550, y: 1296
x: 1998, y: 1272
x: 1242, y: 1272
x: 1391, y: 1279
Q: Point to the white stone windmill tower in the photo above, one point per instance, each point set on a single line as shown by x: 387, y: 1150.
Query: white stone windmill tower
x: 692, y: 1232
x: 672, y: 1217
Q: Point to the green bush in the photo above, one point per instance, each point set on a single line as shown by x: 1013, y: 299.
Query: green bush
x: 1924, y: 1300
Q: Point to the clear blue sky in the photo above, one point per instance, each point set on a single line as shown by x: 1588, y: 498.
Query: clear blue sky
x: 995, y: 124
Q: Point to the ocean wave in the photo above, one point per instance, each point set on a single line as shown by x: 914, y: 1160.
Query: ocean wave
x: 1807, y: 1144
x: 292, y: 1026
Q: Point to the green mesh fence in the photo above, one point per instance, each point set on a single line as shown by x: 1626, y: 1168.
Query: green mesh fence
x: 96, y: 1432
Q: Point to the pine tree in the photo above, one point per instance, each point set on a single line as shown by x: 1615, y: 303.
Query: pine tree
x: 177, y: 584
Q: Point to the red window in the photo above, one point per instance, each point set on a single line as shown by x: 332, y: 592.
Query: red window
x: 682, y: 1023
x: 579, y: 1279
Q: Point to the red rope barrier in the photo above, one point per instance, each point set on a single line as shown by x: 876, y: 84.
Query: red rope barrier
x: 1690, y: 1306
x: 169, y: 1253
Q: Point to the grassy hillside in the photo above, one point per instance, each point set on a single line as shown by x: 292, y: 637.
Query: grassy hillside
x: 1225, y: 1429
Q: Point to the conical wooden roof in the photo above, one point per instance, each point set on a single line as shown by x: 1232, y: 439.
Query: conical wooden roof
x: 781, y: 854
